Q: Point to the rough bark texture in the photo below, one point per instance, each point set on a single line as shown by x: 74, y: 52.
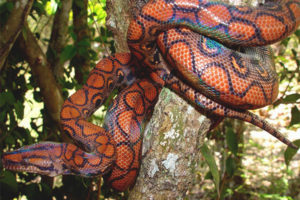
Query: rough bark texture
x: 58, y: 37
x: 117, y: 21
x: 42, y: 72
x: 10, y: 31
x: 82, y: 32
x: 171, y: 152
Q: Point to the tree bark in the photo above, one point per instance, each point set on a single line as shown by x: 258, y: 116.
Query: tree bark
x: 58, y: 38
x: 81, y: 62
x: 13, y: 26
x: 172, y: 164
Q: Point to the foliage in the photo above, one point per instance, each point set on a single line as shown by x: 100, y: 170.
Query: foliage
x: 23, y: 114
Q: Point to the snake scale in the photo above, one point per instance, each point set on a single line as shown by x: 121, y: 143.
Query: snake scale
x: 211, y: 53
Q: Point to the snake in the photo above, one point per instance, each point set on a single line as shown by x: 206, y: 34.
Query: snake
x: 213, y: 54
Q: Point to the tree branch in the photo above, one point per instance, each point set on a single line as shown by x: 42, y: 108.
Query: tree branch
x: 10, y: 31
x: 41, y: 70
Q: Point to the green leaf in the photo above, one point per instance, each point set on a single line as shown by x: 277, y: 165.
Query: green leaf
x: 212, y: 166
x: 7, y: 98
x: 10, y: 140
x: 230, y: 166
x: 290, y: 152
x: 19, y: 108
x: 2, y: 116
x: 297, y: 33
x: 295, y: 116
x: 32, y: 191
x: 8, y: 179
x: 231, y: 140
x: 38, y: 7
x: 68, y: 53
x: 6, y: 7
x: 292, y: 98
x: 2, y: 99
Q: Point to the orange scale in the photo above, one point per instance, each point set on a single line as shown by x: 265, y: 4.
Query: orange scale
x: 37, y: 161
x: 94, y: 161
x: 13, y: 157
x: 209, y: 78
x: 69, y: 112
x: 151, y: 94
x: 124, y: 120
x: 123, y: 58
x: 88, y: 128
x: 69, y: 153
x: 145, y: 84
x: 253, y: 98
x: 126, y: 158
x: 105, y: 65
x: 43, y: 153
x: 241, y: 31
x: 57, y: 151
x: 78, y: 97
x: 103, y: 139
x: 140, y: 107
x: 101, y: 148
x: 78, y: 160
x: 160, y: 10
x: 272, y: 22
x: 119, y: 137
x: 110, y: 150
x: 131, y: 98
x: 177, y: 50
x: 296, y: 11
x: 124, y: 182
x: 135, y: 31
x: 211, y: 16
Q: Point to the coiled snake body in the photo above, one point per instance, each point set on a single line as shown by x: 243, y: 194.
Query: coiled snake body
x: 186, y: 45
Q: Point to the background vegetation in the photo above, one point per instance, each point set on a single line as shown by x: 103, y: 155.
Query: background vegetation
x: 47, y: 48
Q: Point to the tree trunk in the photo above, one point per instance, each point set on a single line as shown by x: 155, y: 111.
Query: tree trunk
x: 81, y: 61
x: 11, y: 29
x: 172, y: 163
